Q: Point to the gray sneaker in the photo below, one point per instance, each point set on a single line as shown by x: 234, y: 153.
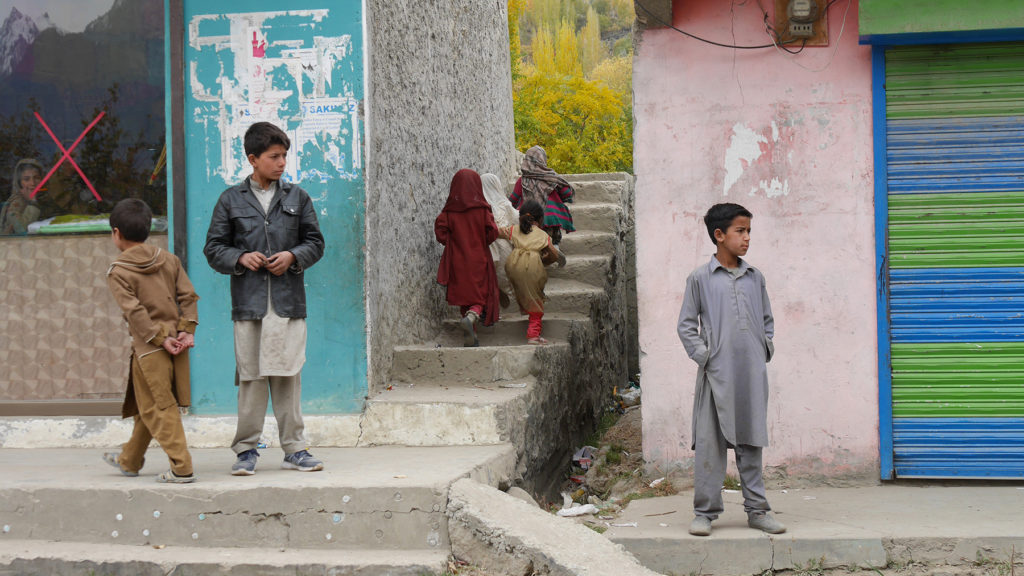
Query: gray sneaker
x: 302, y: 461
x: 701, y: 526
x: 765, y: 522
x: 246, y: 463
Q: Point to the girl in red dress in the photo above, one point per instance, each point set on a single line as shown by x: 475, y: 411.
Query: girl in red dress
x: 466, y: 228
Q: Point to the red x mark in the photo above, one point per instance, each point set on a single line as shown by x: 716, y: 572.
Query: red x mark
x: 67, y: 155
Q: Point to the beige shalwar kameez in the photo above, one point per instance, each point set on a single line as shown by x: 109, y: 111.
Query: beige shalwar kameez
x: 525, y: 269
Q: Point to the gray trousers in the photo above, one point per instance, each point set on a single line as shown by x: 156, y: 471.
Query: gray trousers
x: 710, y: 460
x: 285, y: 393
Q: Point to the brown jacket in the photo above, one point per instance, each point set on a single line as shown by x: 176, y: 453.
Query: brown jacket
x: 158, y: 301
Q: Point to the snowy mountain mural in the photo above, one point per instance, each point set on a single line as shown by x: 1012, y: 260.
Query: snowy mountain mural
x: 70, y: 73
x: 16, y: 37
x: 110, y: 57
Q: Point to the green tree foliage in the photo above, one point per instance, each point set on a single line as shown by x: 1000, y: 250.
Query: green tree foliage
x: 570, y: 96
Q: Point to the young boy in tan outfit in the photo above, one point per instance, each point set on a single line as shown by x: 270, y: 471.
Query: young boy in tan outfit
x: 159, y: 305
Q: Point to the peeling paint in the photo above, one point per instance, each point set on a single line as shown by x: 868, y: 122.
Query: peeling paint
x: 744, y: 148
x: 286, y: 81
x: 772, y: 188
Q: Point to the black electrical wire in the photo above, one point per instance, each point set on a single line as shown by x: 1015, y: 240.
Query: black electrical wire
x: 771, y: 30
x: 685, y: 33
x: 803, y: 45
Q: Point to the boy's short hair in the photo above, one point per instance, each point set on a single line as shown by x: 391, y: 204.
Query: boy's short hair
x: 133, y: 218
x: 263, y: 135
x: 720, y: 217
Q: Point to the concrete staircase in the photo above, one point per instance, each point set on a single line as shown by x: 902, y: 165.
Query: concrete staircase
x: 371, y: 512
x: 542, y: 400
x: 503, y: 414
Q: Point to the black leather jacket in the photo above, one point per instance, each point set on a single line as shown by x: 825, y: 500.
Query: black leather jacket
x: 239, y: 225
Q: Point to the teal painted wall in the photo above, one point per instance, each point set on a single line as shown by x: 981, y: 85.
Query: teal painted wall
x: 249, y: 61
x: 927, y: 16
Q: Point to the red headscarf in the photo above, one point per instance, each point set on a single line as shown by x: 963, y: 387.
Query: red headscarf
x: 466, y: 192
x: 466, y: 227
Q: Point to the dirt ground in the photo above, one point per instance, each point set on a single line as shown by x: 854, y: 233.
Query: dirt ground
x: 617, y: 473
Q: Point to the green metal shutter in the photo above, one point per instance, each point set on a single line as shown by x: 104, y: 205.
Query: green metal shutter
x: 955, y: 181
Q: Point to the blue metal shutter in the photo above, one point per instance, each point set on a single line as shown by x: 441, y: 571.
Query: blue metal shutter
x: 955, y: 253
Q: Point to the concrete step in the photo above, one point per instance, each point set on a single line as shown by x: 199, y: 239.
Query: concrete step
x: 587, y: 269
x: 570, y: 296
x: 587, y: 243
x: 596, y: 217
x: 609, y: 191
x: 385, y: 498
x: 943, y: 529
x: 77, y: 558
x: 467, y: 365
x: 511, y: 329
x: 536, y: 542
x: 432, y: 413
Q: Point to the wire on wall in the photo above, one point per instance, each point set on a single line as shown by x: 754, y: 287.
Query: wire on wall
x: 834, y: 50
x: 712, y: 42
x: 769, y: 30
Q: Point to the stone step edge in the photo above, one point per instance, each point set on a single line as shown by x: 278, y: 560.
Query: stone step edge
x: 55, y: 557
x: 517, y: 317
x: 449, y: 392
x: 598, y: 177
x: 494, y: 531
x: 524, y: 347
x: 761, y: 553
x: 521, y: 383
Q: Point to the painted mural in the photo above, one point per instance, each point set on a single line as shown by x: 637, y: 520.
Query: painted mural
x: 301, y: 69
x: 81, y: 112
x: 275, y: 67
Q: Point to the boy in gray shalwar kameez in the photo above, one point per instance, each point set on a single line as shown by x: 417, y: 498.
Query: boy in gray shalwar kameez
x: 726, y: 326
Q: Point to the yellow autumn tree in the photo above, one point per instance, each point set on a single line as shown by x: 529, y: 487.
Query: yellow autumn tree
x: 617, y: 74
x: 543, y: 49
x: 567, y: 51
x: 569, y: 99
x: 591, y: 49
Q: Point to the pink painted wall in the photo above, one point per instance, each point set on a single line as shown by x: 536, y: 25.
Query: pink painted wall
x: 794, y: 145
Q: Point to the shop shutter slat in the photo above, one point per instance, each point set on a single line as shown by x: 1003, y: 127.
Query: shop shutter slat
x: 955, y: 245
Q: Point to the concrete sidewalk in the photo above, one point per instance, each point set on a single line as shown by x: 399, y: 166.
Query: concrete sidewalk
x: 829, y: 527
